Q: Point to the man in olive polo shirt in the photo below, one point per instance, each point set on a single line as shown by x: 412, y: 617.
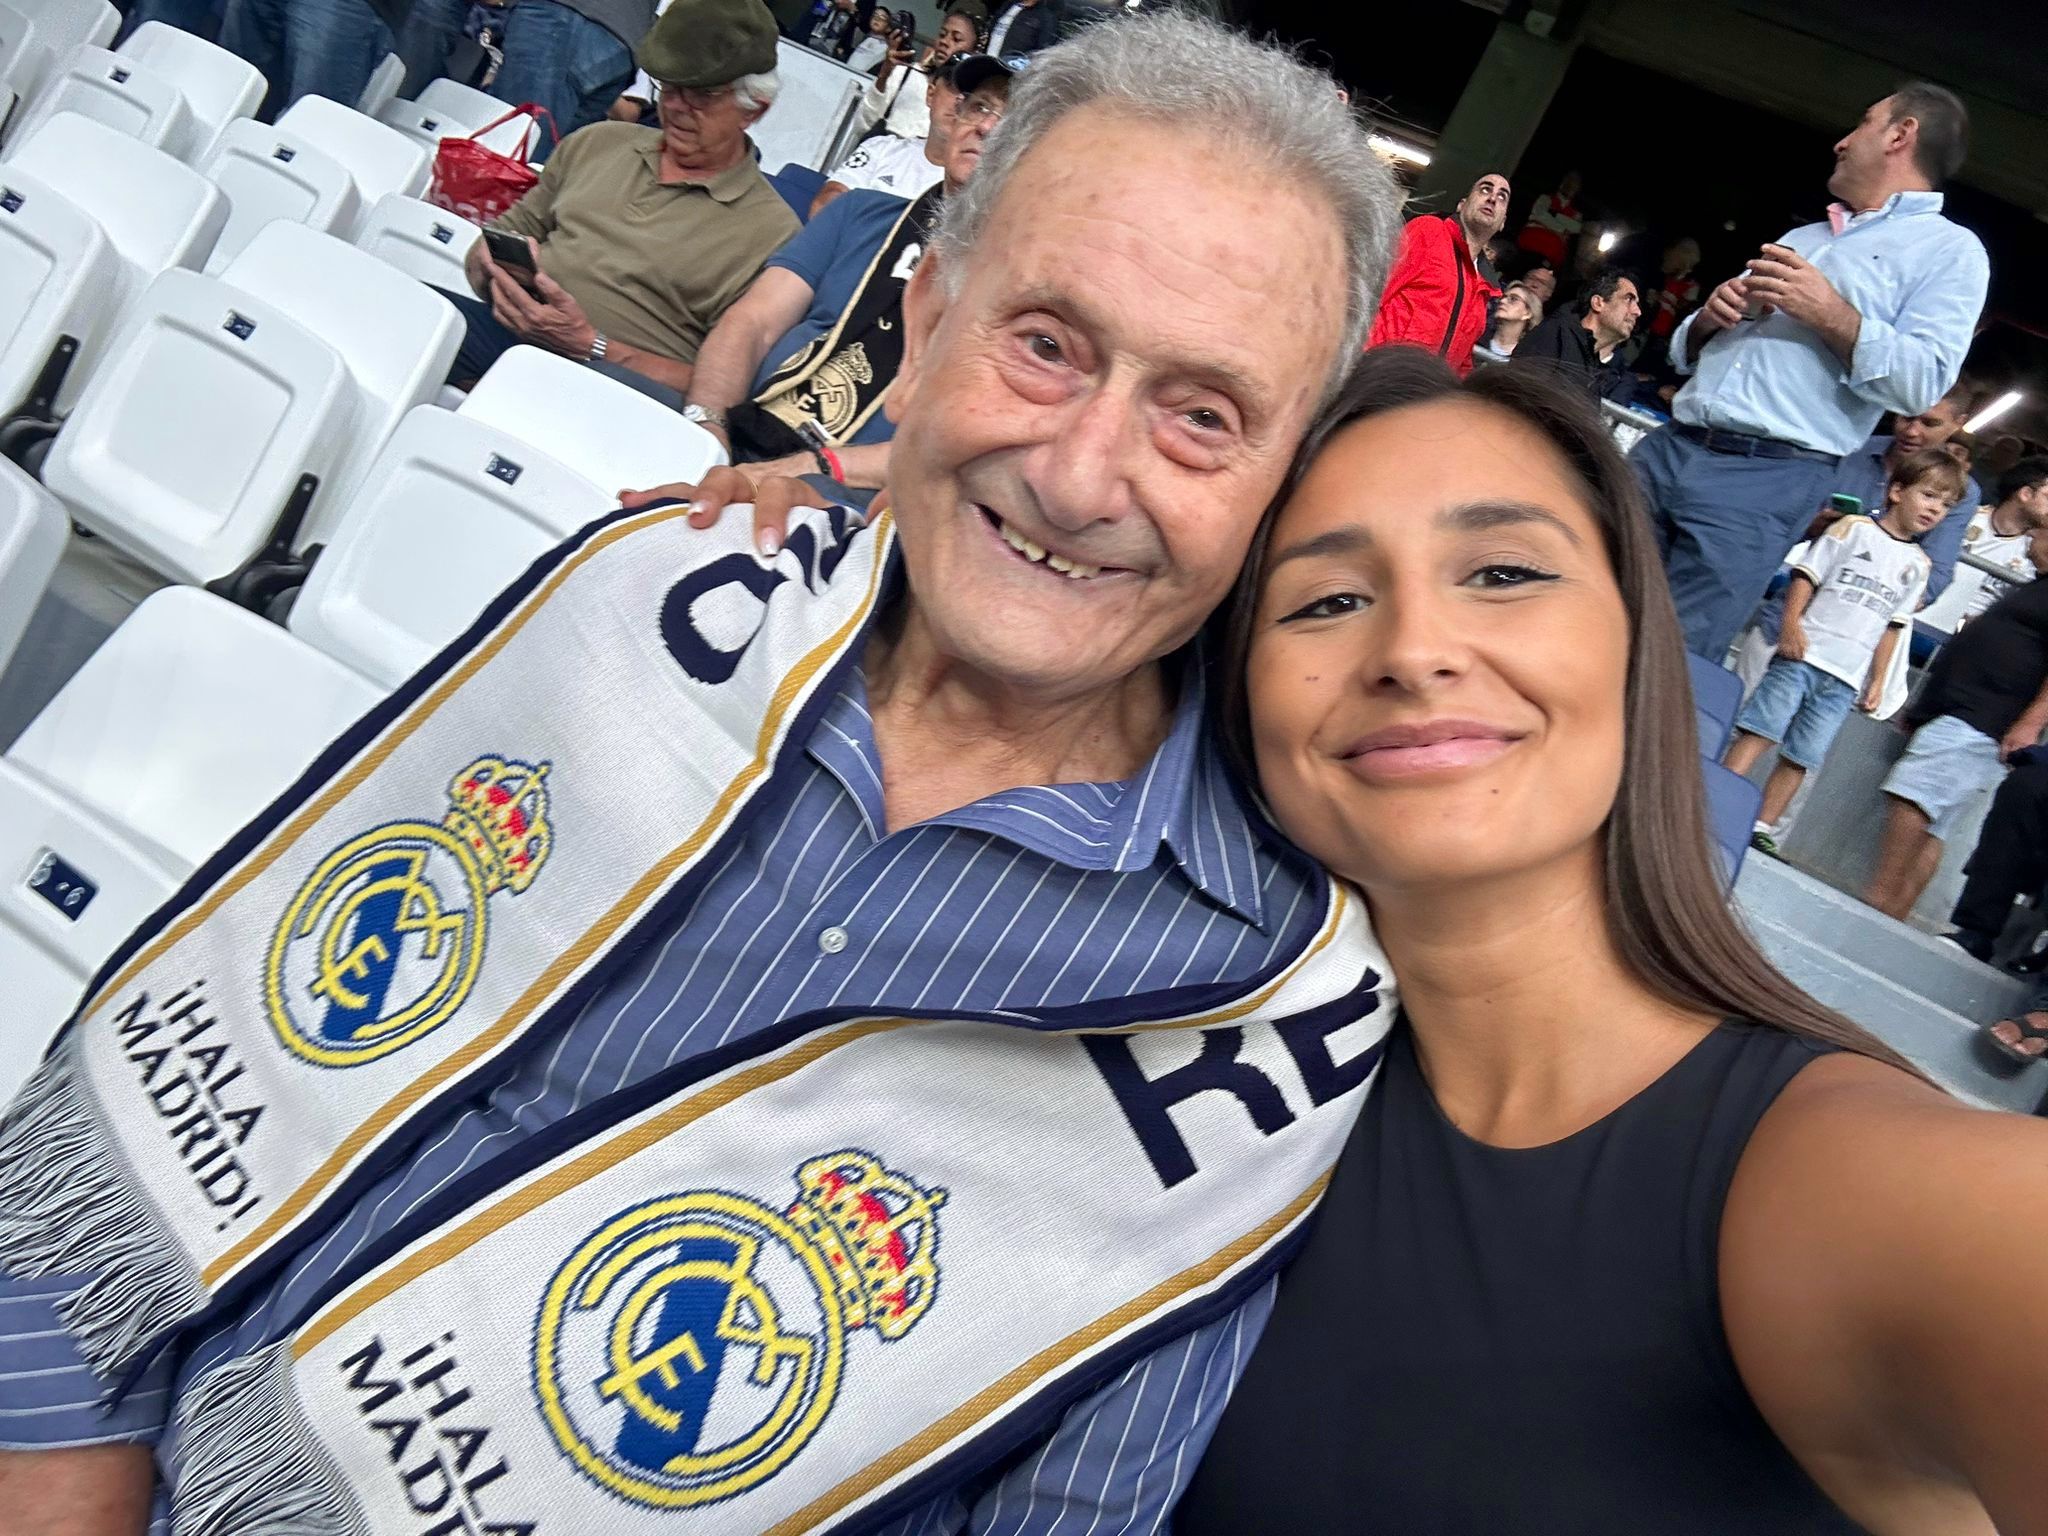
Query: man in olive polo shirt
x: 643, y: 236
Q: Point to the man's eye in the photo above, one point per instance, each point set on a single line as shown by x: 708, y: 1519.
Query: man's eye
x: 1045, y: 349
x: 1503, y: 577
x: 1334, y: 606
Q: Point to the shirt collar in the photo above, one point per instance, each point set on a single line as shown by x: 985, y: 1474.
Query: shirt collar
x: 1900, y: 205
x: 1183, y: 801
x: 728, y: 186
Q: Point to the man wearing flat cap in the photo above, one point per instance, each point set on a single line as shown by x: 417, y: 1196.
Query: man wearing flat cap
x: 643, y: 236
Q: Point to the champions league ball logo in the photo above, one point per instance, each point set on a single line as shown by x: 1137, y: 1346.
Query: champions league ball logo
x: 693, y: 1344
x: 383, y: 942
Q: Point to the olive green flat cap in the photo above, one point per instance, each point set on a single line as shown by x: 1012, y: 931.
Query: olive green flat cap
x: 703, y: 43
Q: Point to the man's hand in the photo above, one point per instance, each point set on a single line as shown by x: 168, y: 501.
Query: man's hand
x: 2025, y: 732
x: 1787, y: 281
x: 1792, y: 641
x: 548, y: 317
x: 772, y: 495
x: 1724, y: 309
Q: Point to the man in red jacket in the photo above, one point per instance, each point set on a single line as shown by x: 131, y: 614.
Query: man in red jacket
x: 1435, y: 297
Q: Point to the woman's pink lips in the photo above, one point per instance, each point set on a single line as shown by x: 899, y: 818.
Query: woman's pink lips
x: 1411, y: 752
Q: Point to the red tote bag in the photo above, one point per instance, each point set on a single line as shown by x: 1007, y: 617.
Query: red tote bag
x: 480, y: 183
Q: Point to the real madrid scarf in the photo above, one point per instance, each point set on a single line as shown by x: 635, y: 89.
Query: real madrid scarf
x: 840, y: 380
x: 803, y: 1287
x: 946, y: 1227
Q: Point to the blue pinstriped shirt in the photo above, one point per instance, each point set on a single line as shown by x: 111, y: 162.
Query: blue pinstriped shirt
x: 1035, y: 896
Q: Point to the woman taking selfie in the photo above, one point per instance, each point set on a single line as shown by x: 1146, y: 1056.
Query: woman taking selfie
x: 1632, y: 1236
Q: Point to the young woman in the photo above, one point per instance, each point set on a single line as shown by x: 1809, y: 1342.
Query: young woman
x: 1518, y: 313
x: 1632, y: 1236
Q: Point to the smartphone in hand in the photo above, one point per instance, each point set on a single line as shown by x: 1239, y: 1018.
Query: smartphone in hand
x: 513, y: 254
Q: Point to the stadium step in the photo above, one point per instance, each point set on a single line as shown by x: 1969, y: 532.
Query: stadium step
x: 1799, y: 929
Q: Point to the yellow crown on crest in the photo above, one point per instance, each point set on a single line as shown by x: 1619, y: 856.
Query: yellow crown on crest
x: 879, y: 1232
x: 499, y: 809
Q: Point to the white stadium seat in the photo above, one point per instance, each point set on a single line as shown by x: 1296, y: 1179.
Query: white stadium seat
x: 269, y: 174
x: 452, y: 511
x: 129, y: 97
x: 187, y: 722
x: 607, y: 432
x: 473, y: 108
x: 33, y: 33
x: 423, y: 125
x: 33, y: 529
x: 397, y: 338
x: 155, y: 212
x: 418, y: 239
x: 384, y: 82
x: 380, y: 159
x: 218, y: 87
x: 191, y: 437
x: 56, y: 269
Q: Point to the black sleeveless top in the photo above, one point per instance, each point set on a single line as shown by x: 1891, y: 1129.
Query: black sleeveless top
x: 1479, y: 1341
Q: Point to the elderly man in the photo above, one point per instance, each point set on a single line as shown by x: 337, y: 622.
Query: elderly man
x: 641, y: 237
x: 1585, y: 346
x: 798, y: 373
x: 1436, y: 297
x: 1798, y: 357
x: 1110, y: 353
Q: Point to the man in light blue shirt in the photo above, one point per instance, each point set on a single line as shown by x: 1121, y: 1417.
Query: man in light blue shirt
x: 1871, y: 310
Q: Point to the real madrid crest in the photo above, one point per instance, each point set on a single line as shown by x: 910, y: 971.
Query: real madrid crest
x: 693, y: 1344
x: 384, y: 940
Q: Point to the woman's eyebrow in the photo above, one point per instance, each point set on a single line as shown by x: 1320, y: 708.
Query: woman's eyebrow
x: 1347, y: 540
x: 1484, y: 516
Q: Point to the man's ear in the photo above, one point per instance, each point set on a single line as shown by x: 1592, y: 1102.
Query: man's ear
x: 924, y: 306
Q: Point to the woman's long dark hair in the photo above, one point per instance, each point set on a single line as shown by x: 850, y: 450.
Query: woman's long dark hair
x: 1667, y: 907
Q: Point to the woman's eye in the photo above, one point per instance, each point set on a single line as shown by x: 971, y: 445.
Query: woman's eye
x: 1331, y: 607
x: 1502, y: 577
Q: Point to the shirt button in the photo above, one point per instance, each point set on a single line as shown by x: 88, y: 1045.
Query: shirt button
x: 832, y: 940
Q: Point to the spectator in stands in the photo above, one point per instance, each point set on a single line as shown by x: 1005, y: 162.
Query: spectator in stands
x: 898, y: 99
x: 872, y: 49
x: 1023, y: 27
x: 1517, y: 314
x: 2001, y: 536
x: 307, y: 47
x: 1541, y: 280
x: 1851, y: 600
x: 1585, y: 347
x: 816, y: 341
x: 904, y: 168
x: 1678, y: 294
x: 1985, y: 698
x: 1554, y: 221
x: 1799, y: 356
x: 2009, y: 864
x: 1435, y: 297
x: 643, y: 236
x: 1112, y: 350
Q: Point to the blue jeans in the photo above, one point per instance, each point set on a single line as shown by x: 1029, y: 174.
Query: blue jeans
x: 199, y: 17
x: 564, y: 61
x: 1724, y: 524
x: 432, y: 27
x: 1799, y: 707
x: 307, y: 47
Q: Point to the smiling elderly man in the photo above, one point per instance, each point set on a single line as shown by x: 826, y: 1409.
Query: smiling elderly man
x: 1006, y: 805
x: 643, y: 236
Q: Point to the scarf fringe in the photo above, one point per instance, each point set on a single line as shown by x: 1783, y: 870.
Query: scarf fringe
x: 247, y: 1462
x: 67, y: 1208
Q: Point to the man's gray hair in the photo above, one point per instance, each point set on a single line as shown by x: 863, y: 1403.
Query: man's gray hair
x: 752, y: 93
x: 1261, y: 103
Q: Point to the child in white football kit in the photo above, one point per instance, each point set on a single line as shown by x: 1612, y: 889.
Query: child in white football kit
x: 1853, y: 595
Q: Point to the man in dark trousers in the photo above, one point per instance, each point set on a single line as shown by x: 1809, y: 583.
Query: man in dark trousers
x: 1584, y: 344
x: 1436, y: 297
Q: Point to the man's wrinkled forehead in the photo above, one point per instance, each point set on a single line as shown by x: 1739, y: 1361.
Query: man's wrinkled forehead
x: 1487, y: 186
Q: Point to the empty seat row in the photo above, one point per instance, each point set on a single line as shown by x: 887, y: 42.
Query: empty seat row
x: 34, y: 33
x: 192, y: 717
x: 166, y: 87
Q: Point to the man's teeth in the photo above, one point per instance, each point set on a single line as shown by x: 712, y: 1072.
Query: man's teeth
x: 1073, y: 570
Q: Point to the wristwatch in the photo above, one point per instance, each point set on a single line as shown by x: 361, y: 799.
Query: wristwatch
x: 705, y: 415
x: 598, y: 346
